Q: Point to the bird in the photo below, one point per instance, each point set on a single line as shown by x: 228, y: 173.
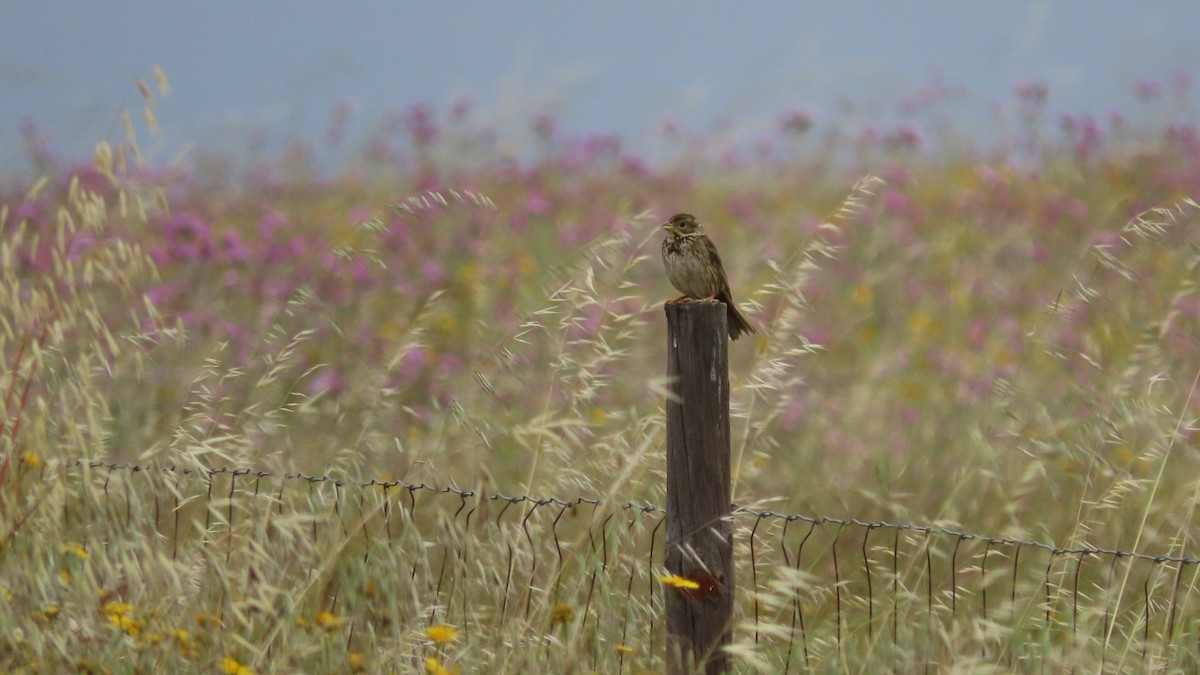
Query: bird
x: 694, y: 269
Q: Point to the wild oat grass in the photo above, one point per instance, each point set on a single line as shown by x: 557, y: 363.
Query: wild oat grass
x: 1001, y: 344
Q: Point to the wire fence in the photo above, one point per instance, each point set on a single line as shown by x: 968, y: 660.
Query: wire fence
x: 813, y: 590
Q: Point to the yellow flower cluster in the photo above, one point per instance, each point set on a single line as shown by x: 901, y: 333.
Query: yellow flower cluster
x: 329, y: 622
x: 120, y: 615
x: 441, y: 633
x: 230, y: 666
x: 434, y: 667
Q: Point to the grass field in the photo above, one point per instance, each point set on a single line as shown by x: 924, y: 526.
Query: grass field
x: 997, y: 339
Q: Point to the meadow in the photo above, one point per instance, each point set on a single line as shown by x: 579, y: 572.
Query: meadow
x: 405, y: 414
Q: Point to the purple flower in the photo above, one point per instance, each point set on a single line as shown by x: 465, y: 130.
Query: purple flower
x: 794, y: 413
x: 450, y: 364
x: 89, y: 179
x: 1032, y: 92
x: 276, y: 289
x: 597, y: 146
x: 1188, y: 306
x: 1148, y: 90
x: 379, y: 150
x: 796, y: 121
x: 632, y: 165
x: 817, y: 335
x: 421, y: 127
x: 413, y: 363
x: 327, y: 380
x: 744, y: 206
x: 433, y: 271
x: 978, y: 333
x: 232, y: 247
x: 461, y: 107
x: 897, y: 203
x: 991, y: 177
x: 1183, y: 137
x: 976, y: 389
x: 160, y: 294
x: 544, y: 126
x: 271, y: 221
x: 188, y: 237
x: 591, y: 316
x: 34, y: 212
x: 570, y: 235
x: 1084, y: 134
x: 536, y: 203
x: 1031, y: 97
x: 80, y: 244
x: 360, y: 214
x: 904, y: 137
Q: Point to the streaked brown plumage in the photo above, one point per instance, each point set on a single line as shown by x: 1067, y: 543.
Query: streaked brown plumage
x: 695, y: 269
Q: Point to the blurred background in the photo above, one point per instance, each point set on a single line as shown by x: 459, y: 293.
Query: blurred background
x: 272, y: 71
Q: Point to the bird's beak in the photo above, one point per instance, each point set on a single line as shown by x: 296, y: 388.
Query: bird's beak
x: 668, y: 226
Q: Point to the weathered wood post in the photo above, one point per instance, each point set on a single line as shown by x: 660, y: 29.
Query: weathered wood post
x: 699, y: 544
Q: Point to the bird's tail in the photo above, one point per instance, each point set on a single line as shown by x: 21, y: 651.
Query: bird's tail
x: 738, y: 325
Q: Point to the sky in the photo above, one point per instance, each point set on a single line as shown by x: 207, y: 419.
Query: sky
x: 619, y: 66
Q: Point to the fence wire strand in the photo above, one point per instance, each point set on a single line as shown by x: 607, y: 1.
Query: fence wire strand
x: 644, y: 508
x: 538, y: 549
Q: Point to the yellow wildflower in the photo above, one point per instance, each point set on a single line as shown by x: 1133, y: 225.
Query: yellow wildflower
x: 128, y: 624
x: 203, y: 620
x: 624, y: 649
x: 230, y: 666
x: 46, y: 615
x: 357, y: 662
x: 562, y: 613
x: 31, y: 460
x: 328, y: 621
x: 676, y: 581
x: 432, y: 667
x: 153, y: 638
x: 187, y: 646
x: 441, y: 633
x: 525, y: 265
x: 76, y: 549
x: 863, y: 294
x: 118, y: 608
x: 120, y: 615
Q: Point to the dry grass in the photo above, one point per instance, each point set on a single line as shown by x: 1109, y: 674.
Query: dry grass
x: 936, y: 349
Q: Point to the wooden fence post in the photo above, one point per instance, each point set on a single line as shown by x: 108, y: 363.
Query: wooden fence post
x: 699, y: 544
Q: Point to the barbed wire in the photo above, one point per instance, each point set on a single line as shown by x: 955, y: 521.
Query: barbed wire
x: 529, y: 560
x: 1054, y: 549
x: 366, y: 484
x: 645, y: 508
